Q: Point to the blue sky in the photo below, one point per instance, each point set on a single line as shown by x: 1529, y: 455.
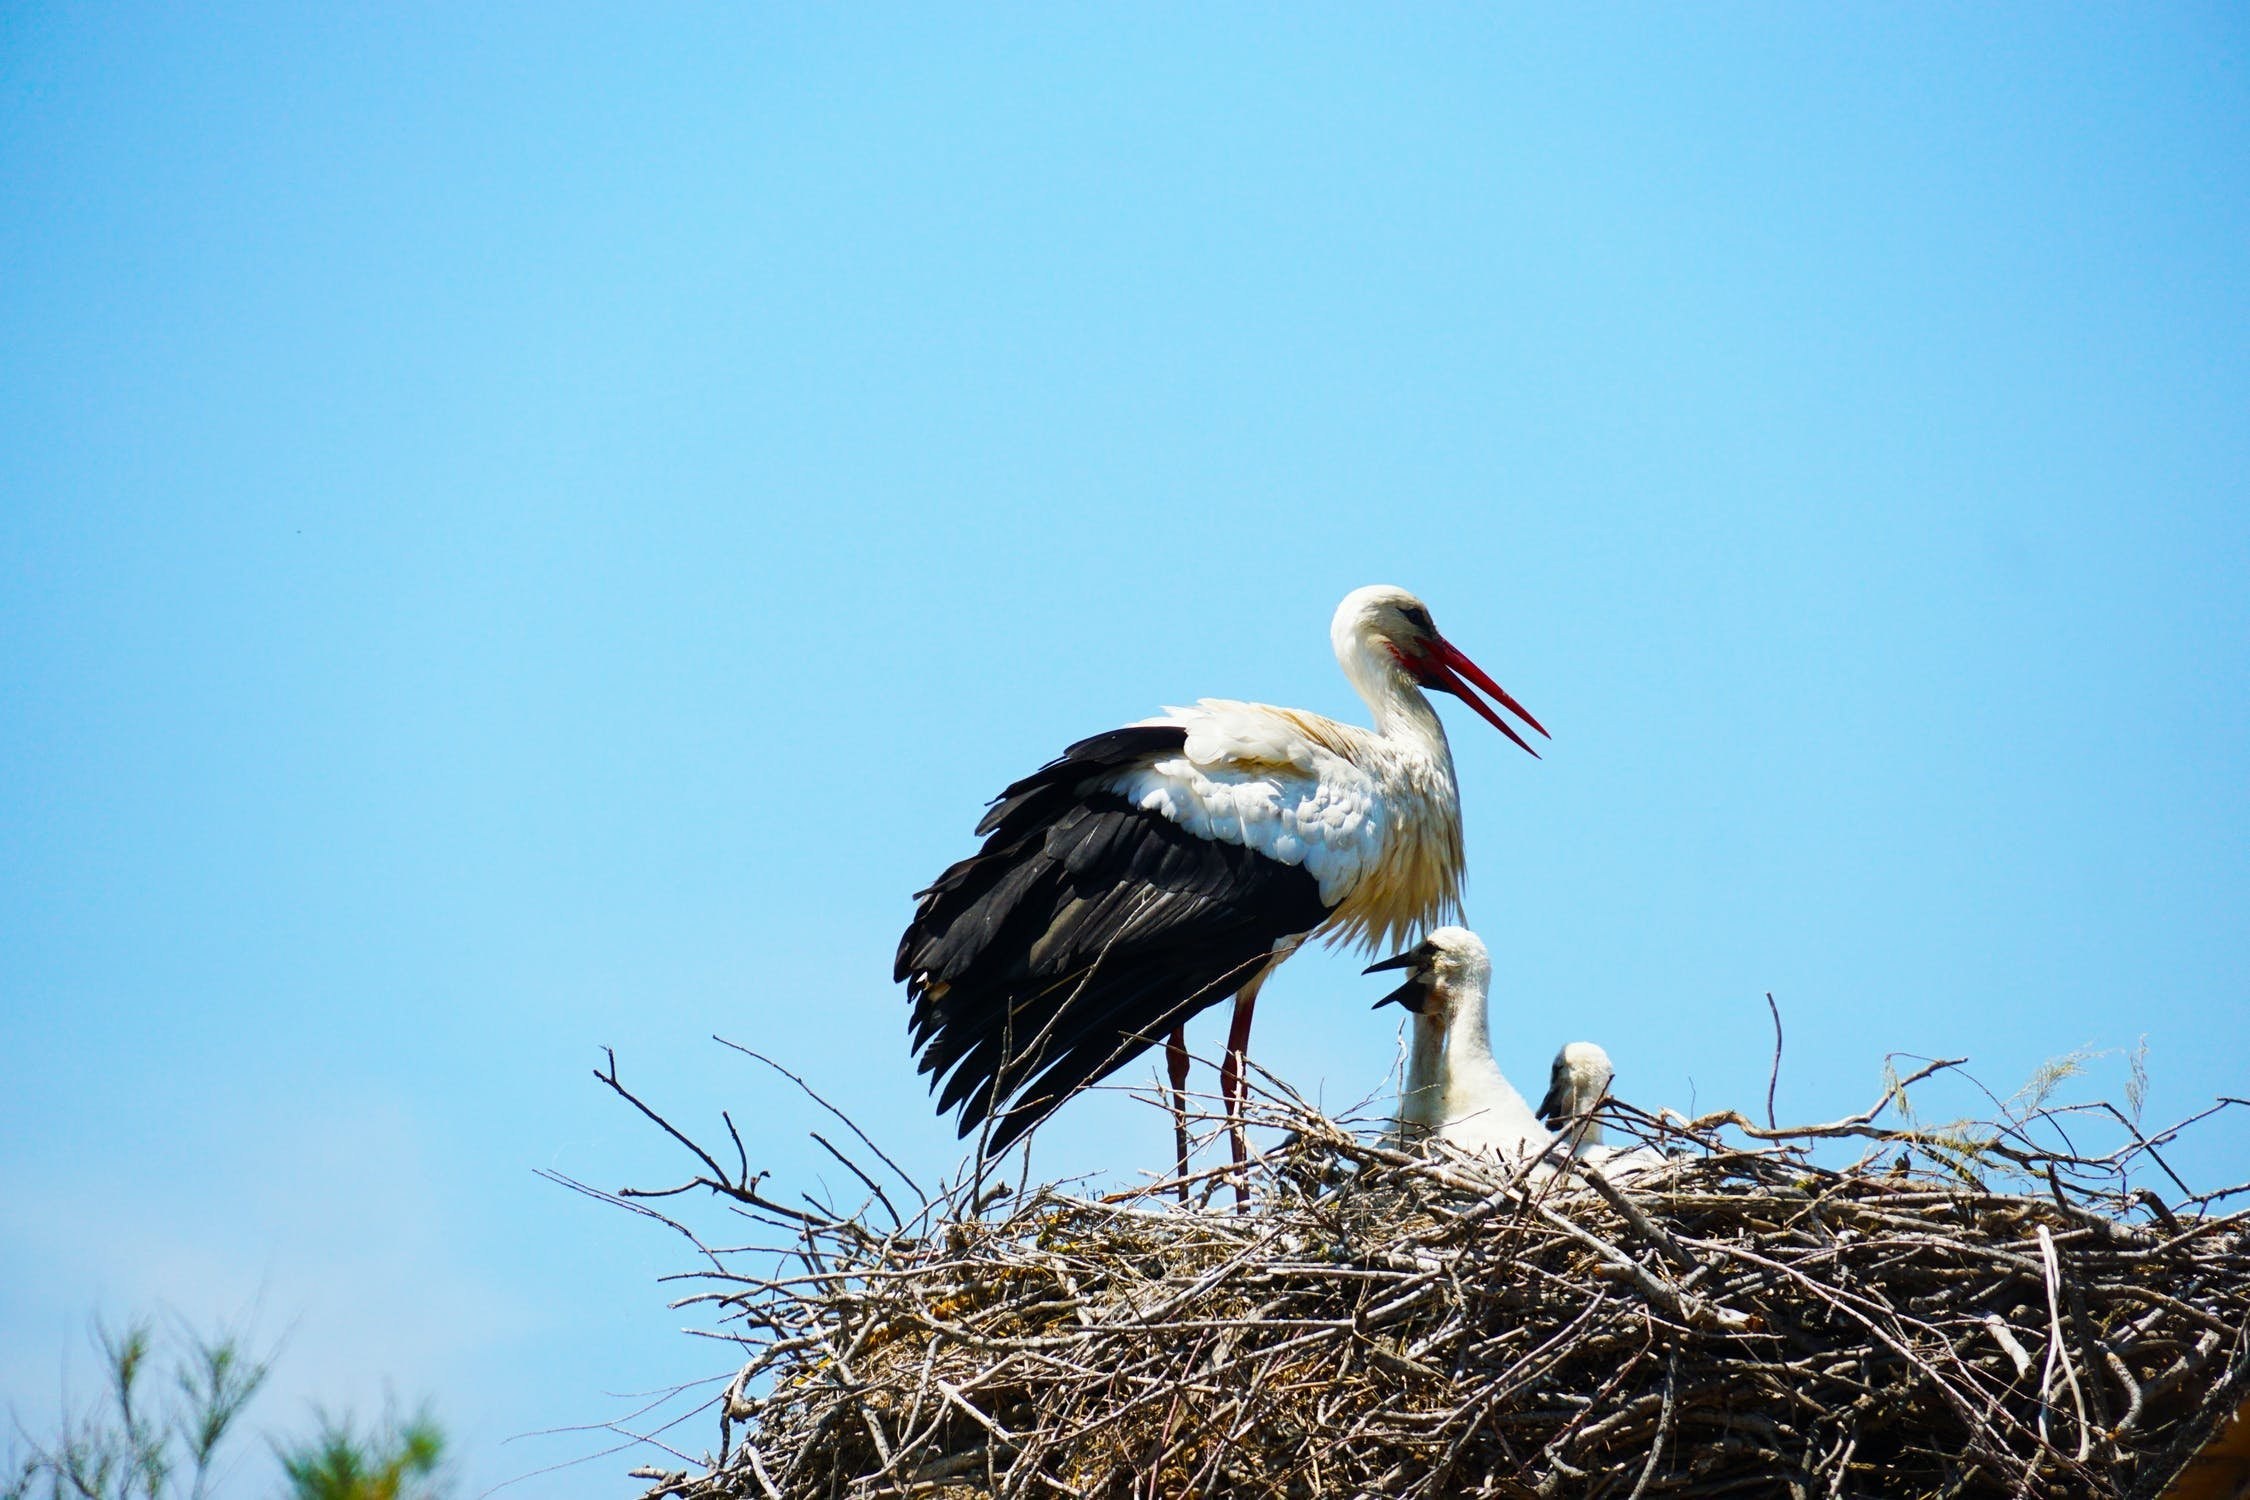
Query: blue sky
x: 527, y: 529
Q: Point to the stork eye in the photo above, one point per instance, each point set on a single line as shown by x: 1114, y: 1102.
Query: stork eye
x: 1419, y: 618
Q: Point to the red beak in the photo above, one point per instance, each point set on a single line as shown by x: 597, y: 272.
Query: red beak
x: 1448, y: 666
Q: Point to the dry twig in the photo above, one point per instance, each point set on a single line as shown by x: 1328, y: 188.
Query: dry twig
x: 1386, y: 1322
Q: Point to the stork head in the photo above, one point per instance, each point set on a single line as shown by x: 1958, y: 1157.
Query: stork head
x: 1449, y: 965
x: 1580, y: 1077
x: 1384, y: 628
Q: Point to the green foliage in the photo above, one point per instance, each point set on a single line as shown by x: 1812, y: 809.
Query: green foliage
x: 396, y: 1462
x: 142, y: 1443
x: 159, y: 1434
x: 2136, y: 1079
x: 1956, y: 1146
x: 2046, y: 1078
x: 1966, y: 1148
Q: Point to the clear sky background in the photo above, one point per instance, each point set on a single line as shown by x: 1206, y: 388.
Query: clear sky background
x: 523, y: 529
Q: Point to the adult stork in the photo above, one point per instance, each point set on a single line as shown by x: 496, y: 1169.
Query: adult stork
x: 1151, y: 872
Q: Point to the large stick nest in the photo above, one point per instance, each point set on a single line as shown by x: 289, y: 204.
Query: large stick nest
x: 1956, y: 1313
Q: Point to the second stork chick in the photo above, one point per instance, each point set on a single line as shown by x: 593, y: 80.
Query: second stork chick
x: 1578, y: 1083
x: 1579, y: 1080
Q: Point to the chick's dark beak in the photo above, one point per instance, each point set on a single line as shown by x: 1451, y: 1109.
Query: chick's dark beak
x: 1413, y: 994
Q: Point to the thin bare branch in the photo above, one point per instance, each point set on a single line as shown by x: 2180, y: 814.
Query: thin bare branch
x: 1964, y: 1311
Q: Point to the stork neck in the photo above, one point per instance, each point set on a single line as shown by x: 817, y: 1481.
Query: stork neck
x: 1408, y: 716
x: 1588, y: 1095
x: 1474, y: 1085
x: 1402, y: 712
x: 1467, y: 1035
x: 1418, y: 1091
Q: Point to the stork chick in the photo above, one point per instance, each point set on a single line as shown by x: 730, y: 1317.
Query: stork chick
x: 1454, y: 1090
x: 1576, y: 1086
x: 1578, y: 1081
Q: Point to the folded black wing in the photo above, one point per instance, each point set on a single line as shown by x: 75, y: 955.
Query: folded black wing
x: 1083, y: 932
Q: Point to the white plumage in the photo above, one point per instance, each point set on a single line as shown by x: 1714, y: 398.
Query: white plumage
x: 1242, y: 778
x: 1577, y: 1083
x: 1155, y: 870
x: 1454, y: 1093
x: 1454, y: 1090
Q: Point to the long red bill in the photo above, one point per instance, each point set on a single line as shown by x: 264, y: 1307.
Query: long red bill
x: 1454, y: 666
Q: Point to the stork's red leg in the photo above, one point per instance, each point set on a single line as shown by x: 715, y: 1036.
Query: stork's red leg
x: 1231, y: 1082
x: 1176, y: 1060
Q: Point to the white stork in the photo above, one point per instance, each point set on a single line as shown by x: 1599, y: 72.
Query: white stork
x: 1153, y: 871
x: 1454, y: 1090
x: 1578, y: 1082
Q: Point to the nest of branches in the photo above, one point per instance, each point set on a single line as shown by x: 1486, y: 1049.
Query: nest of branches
x: 1960, y: 1312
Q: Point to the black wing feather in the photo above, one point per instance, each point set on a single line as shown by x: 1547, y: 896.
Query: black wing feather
x: 1082, y: 932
